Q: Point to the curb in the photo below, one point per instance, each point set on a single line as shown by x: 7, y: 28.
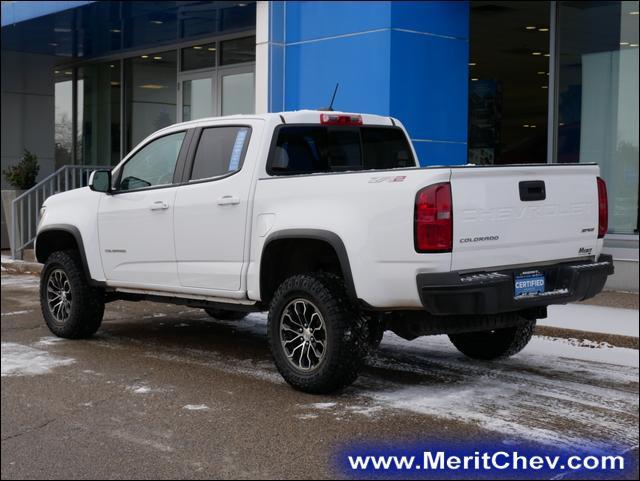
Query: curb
x: 589, y: 337
x: 21, y: 267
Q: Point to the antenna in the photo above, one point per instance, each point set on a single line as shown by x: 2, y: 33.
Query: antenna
x: 335, y: 91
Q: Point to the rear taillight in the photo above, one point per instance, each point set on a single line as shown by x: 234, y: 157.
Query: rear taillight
x: 433, y: 224
x: 338, y: 119
x: 603, y: 208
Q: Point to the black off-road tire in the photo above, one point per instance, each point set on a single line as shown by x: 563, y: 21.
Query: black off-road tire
x: 225, y: 315
x: 347, y: 336
x: 494, y: 344
x: 87, y: 302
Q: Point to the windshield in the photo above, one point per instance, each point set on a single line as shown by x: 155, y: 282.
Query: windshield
x: 315, y: 148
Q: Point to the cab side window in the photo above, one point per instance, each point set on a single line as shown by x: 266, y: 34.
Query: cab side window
x: 153, y: 165
x: 220, y: 151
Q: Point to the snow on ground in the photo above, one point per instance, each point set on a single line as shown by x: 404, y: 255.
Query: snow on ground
x: 556, y: 391
x: 139, y: 389
x: 196, y: 407
x: 19, y: 360
x: 9, y: 260
x: 552, y: 392
x: 14, y: 313
x: 50, y: 341
x: 20, y: 281
x: 322, y: 405
x: 583, y: 317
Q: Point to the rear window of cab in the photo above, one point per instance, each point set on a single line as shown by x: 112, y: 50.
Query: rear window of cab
x: 309, y: 149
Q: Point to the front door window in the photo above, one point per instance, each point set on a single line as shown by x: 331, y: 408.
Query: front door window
x: 152, y: 165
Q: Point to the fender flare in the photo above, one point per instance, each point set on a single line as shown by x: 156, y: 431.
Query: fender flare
x: 75, y: 233
x: 330, y: 238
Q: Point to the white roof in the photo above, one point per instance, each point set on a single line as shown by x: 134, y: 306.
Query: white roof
x: 292, y: 117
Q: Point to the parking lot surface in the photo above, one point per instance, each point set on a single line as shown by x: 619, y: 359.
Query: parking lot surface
x: 166, y: 392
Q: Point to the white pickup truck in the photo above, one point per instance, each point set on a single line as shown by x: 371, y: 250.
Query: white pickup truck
x: 326, y: 220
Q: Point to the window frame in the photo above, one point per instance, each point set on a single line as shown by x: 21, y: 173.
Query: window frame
x: 193, y: 148
x: 274, y: 144
x: 178, y: 170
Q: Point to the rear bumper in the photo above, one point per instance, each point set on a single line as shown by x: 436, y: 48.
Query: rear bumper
x: 493, y: 292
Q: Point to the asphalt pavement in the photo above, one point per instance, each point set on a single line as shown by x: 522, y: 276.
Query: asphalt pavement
x: 166, y: 392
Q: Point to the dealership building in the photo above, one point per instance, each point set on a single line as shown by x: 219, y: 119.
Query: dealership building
x: 483, y: 82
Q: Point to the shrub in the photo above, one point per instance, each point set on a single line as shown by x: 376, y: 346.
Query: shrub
x: 23, y: 175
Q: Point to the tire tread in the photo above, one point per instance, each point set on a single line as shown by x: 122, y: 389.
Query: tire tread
x: 344, y: 363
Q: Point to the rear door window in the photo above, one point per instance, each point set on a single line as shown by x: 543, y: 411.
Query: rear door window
x: 220, y: 151
x: 301, y: 149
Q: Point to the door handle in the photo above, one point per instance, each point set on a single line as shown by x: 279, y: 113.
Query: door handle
x: 159, y: 205
x: 228, y: 200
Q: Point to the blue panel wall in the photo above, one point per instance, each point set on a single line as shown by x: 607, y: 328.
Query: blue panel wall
x: 315, y: 20
x: 429, y: 77
x: 404, y: 59
x: 313, y: 69
x: 448, y: 18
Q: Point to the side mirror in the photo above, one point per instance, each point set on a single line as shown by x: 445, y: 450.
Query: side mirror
x: 100, y: 181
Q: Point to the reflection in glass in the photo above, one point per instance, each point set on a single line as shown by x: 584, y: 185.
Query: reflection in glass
x: 154, y: 164
x: 197, y: 101
x: 63, y: 118
x: 98, y: 118
x: 598, y: 99
x: 238, y: 50
x: 205, y: 18
x: 150, y: 82
x: 508, y: 80
x: 198, y: 57
x: 238, y: 93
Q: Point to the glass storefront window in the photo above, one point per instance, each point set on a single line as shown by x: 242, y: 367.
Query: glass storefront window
x: 63, y: 117
x: 598, y: 99
x: 147, y: 95
x: 98, y: 118
x: 238, y: 50
x: 199, y: 57
x: 508, y: 82
x: 238, y: 93
x: 151, y: 94
x: 197, y: 98
x: 205, y: 18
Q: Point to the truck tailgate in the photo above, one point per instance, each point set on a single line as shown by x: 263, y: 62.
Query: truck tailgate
x: 517, y: 215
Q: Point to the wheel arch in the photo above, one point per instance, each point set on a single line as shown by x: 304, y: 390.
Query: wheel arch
x: 327, y: 241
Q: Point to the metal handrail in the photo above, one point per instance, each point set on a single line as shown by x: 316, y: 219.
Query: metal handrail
x: 25, y: 208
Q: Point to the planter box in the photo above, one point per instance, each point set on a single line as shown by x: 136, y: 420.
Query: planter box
x: 7, y: 199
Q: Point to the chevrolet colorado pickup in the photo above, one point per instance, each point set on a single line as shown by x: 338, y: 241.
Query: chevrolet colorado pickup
x: 326, y: 220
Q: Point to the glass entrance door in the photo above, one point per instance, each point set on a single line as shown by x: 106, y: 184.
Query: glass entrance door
x: 237, y: 86
x: 197, y: 96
